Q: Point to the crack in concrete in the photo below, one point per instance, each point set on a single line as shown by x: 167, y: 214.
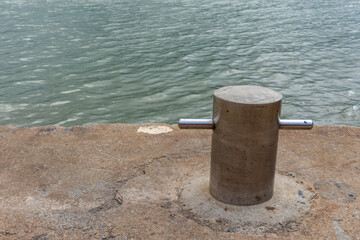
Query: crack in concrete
x: 40, y: 237
x: 116, y: 201
x: 137, y: 171
x: 226, y: 224
x: 7, y: 233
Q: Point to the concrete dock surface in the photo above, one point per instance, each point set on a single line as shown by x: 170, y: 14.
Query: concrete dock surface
x: 119, y: 181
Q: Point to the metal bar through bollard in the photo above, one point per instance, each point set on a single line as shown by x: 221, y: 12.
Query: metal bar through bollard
x: 196, y: 124
x: 295, y: 124
x: 210, y: 124
x: 246, y: 123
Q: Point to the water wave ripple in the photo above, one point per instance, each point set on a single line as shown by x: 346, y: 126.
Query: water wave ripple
x: 83, y: 62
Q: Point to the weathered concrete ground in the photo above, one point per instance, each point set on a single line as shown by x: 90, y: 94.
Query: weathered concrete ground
x: 113, y: 182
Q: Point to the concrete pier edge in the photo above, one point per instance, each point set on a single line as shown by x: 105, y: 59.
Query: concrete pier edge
x: 128, y: 181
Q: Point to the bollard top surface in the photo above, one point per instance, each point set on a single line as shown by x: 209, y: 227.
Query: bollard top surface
x: 247, y: 94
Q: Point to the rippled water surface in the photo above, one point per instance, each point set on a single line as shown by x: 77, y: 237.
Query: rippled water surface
x: 99, y: 61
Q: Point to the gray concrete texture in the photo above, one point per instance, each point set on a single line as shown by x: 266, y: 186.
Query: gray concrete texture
x: 120, y: 181
x: 244, y: 144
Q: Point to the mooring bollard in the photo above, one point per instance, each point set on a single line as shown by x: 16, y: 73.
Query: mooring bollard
x: 246, y: 122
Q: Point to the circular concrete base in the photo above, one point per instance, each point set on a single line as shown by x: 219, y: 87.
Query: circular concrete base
x: 291, y: 201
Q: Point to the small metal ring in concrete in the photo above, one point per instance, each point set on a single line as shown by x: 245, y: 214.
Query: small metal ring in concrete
x: 291, y: 201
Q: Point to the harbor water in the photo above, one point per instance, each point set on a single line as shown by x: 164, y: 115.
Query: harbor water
x: 80, y: 62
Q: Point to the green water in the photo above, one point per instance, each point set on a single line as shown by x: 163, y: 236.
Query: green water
x: 99, y: 61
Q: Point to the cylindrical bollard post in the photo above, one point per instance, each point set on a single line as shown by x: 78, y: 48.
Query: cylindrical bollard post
x: 244, y: 144
x: 246, y: 122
